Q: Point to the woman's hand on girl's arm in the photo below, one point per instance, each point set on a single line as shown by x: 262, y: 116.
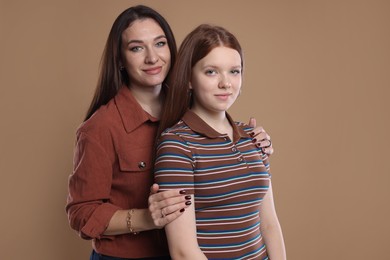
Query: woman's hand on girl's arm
x: 166, y: 206
x: 261, y: 138
x: 181, y: 235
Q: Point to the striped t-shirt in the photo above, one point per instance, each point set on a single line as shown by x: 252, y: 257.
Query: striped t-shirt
x: 229, y: 180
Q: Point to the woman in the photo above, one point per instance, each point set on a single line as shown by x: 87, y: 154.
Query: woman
x: 109, y: 197
x: 232, y: 215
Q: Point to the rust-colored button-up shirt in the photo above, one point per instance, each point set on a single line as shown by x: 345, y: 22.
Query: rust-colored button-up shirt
x: 112, y: 171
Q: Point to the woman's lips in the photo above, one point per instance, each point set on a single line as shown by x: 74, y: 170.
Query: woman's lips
x: 153, y: 71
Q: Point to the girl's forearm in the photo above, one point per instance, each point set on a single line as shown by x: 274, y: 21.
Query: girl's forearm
x: 274, y: 241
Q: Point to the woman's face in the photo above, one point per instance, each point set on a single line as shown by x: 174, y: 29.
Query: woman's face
x: 146, y: 54
x: 216, y: 81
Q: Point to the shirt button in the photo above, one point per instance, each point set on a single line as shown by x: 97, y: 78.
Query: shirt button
x: 239, y: 159
x: 234, y: 149
x: 141, y: 165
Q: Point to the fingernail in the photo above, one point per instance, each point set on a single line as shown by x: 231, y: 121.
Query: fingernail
x: 254, y: 140
x: 251, y: 133
x: 258, y: 145
x: 182, y: 192
x: 188, y: 197
x: 182, y: 210
x: 188, y: 203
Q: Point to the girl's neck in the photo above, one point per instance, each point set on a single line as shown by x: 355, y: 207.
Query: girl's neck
x: 149, y: 99
x: 218, y: 121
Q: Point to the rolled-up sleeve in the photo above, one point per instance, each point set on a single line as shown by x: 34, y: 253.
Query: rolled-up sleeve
x: 88, y: 205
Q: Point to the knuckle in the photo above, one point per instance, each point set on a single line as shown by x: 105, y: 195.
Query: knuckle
x: 152, y: 197
x: 164, y: 195
x: 153, y: 207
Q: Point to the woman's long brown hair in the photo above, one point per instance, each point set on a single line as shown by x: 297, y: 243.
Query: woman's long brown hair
x: 111, y: 78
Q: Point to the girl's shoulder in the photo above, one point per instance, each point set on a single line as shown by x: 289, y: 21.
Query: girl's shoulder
x: 244, y: 126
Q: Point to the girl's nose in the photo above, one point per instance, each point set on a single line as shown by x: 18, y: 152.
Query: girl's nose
x: 224, y: 83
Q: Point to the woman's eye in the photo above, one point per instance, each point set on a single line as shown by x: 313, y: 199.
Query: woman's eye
x: 161, y: 44
x: 136, y: 49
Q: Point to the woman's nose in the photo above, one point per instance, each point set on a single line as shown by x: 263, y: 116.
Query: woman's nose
x: 151, y: 57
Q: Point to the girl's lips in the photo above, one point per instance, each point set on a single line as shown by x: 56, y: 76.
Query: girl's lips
x: 223, y: 96
x: 153, y: 71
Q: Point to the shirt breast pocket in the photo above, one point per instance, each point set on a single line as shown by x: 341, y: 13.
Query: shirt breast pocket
x: 135, y: 175
x: 135, y: 160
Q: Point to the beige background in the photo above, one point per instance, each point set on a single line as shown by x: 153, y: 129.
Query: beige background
x: 317, y: 77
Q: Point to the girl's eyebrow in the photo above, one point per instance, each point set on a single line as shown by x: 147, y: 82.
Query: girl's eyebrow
x: 214, y: 66
x: 140, y: 41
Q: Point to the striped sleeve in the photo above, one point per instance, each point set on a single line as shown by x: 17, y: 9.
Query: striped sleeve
x: 264, y: 157
x: 266, y: 163
x: 174, y: 164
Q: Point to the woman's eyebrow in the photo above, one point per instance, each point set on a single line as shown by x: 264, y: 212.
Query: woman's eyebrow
x: 140, y: 41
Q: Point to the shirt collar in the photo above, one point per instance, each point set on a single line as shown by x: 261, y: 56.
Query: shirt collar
x: 130, y: 110
x: 198, y: 125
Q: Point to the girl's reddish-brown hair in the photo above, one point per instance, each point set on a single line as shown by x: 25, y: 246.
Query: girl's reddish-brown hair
x: 195, y: 47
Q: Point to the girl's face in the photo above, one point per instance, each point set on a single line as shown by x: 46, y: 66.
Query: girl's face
x: 216, y: 81
x: 147, y: 58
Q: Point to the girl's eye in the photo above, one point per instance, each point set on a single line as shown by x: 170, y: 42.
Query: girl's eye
x: 161, y: 44
x: 210, y: 72
x: 136, y: 49
x: 236, y: 71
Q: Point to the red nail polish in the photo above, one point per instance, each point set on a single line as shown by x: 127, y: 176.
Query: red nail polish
x: 182, y: 210
x: 188, y: 197
x: 182, y: 192
x: 188, y: 203
x: 254, y: 140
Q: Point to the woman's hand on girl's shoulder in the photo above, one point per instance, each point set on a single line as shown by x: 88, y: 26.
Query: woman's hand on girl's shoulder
x: 260, y: 137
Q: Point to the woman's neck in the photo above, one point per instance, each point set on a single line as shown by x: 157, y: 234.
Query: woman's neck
x: 149, y: 99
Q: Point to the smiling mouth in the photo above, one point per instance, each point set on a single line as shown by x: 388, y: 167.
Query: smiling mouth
x: 153, y: 71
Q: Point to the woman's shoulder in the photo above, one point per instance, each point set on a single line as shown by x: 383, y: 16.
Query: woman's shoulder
x: 100, y: 122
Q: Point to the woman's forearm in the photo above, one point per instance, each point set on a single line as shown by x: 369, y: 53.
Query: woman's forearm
x: 140, y: 221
